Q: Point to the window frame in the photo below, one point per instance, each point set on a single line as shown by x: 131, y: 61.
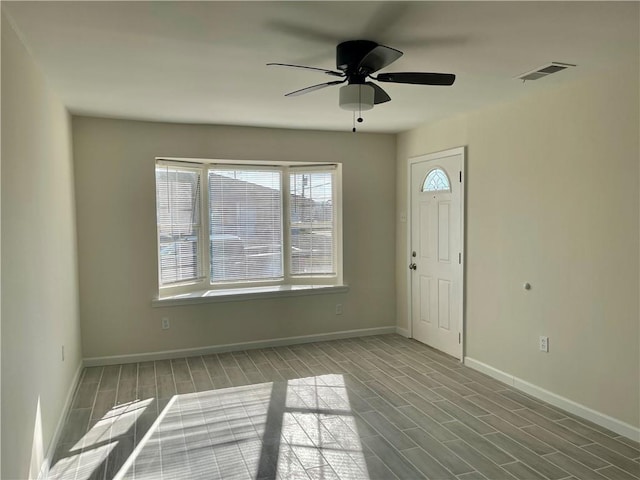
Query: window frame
x: 199, y: 273
x: 203, y: 282
x: 206, y: 260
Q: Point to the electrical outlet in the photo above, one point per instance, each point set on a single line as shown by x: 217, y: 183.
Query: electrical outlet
x: 544, y: 344
x: 339, y: 309
x: 165, y: 323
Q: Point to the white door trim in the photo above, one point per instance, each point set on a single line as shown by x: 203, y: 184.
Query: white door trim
x: 423, y: 158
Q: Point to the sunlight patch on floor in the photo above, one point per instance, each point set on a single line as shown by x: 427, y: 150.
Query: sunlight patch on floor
x: 93, y: 450
x: 303, y: 428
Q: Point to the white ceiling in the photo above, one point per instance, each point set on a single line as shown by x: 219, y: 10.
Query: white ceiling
x: 204, y: 62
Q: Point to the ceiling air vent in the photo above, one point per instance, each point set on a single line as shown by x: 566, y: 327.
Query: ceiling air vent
x: 544, y: 70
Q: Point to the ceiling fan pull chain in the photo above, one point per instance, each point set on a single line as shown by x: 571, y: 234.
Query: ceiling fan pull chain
x: 360, y: 120
x: 354, y: 121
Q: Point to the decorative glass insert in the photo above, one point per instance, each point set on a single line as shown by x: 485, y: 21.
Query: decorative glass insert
x: 436, y: 181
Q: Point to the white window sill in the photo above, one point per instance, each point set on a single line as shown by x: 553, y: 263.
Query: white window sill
x: 239, y: 294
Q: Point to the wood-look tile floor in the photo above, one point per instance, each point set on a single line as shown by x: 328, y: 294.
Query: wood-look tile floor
x: 381, y: 407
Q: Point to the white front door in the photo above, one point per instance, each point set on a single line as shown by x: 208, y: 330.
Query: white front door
x: 437, y: 214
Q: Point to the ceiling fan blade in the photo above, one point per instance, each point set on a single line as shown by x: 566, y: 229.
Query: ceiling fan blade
x: 378, y: 58
x: 328, y: 72
x: 418, y: 78
x: 313, y: 88
x: 379, y: 95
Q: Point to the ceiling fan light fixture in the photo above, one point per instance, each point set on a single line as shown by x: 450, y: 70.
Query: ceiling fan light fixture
x: 357, y: 97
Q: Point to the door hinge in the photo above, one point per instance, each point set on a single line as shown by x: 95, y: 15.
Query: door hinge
x: 459, y: 338
x: 460, y: 176
x: 460, y: 258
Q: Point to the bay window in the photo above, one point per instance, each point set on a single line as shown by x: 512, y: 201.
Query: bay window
x: 223, y: 225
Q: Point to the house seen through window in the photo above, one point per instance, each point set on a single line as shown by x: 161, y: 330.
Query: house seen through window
x: 225, y: 225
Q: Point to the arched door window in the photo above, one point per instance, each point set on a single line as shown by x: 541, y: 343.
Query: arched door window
x: 436, y: 181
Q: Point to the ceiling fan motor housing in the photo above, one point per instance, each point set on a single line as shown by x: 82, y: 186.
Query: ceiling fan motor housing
x: 350, y: 53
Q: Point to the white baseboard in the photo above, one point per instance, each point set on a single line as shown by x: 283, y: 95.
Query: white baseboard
x: 51, y: 449
x: 402, y: 331
x: 489, y: 370
x: 275, y: 342
x: 570, y: 406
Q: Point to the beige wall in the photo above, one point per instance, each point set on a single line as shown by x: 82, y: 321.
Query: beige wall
x: 39, y: 270
x: 115, y: 194
x: 552, y: 199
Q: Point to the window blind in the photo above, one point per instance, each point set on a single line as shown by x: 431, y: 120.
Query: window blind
x: 312, y: 222
x: 245, y: 213
x: 178, y: 220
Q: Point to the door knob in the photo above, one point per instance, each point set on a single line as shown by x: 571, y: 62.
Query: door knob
x: 413, y: 266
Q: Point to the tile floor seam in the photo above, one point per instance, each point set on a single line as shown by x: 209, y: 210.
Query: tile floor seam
x: 155, y: 374
x: 430, y: 456
x: 478, y: 453
x: 605, y: 467
x: 199, y: 404
x: 96, y: 396
x: 244, y: 460
x: 224, y: 371
x: 208, y: 427
x: 86, y: 430
x: 136, y: 441
x: 75, y: 394
x: 515, y: 440
x: 529, y: 451
x: 115, y: 402
x: 190, y: 374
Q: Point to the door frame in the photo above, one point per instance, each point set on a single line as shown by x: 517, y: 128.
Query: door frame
x: 424, y: 158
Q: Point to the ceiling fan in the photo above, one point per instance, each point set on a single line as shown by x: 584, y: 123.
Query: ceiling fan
x: 356, y: 61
